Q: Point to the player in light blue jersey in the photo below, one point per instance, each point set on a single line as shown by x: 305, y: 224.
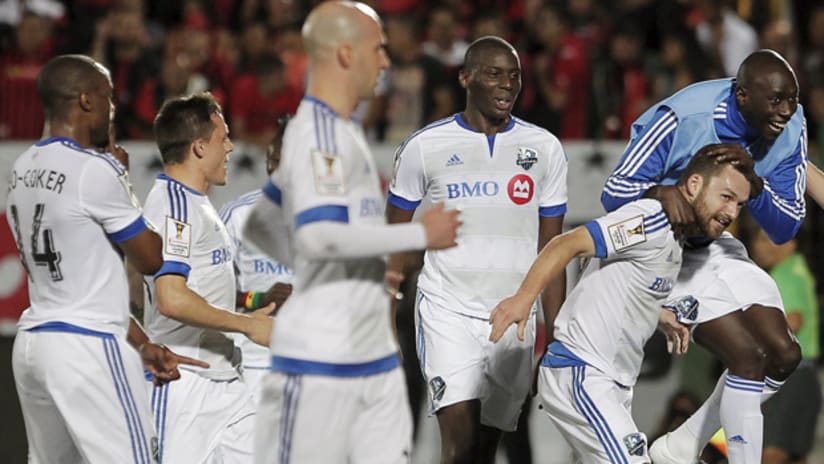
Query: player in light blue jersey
x: 742, y: 319
x: 207, y: 416
x: 336, y: 393
x: 76, y: 365
x: 587, y: 375
x: 508, y: 177
x: 260, y: 280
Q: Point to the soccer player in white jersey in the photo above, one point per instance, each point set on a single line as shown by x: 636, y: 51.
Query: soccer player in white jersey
x: 208, y: 415
x: 73, y: 213
x: 588, y: 372
x: 509, y: 179
x: 336, y: 393
x: 260, y: 280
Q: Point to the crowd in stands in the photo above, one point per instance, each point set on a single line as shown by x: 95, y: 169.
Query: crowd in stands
x: 590, y: 67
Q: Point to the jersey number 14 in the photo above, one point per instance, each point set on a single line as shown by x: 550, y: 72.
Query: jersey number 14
x: 48, y: 257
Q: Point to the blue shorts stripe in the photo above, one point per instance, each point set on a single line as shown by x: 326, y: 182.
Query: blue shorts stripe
x: 304, y: 367
x: 141, y: 434
x: 287, y: 423
x: 595, y: 419
x: 107, y: 348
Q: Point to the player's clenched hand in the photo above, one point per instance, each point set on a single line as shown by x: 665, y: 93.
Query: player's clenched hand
x: 162, y: 362
x: 259, y: 326
x: 277, y: 294
x: 679, y: 212
x: 678, y: 334
x: 441, y: 227
x: 514, y: 309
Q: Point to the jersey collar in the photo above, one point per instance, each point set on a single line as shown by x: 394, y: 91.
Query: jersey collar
x: 460, y: 120
x: 162, y: 176
x: 66, y: 140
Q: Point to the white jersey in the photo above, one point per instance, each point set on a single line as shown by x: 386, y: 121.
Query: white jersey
x: 502, y: 184
x: 337, y: 317
x: 66, y: 206
x: 614, y: 308
x: 197, y: 247
x: 254, y: 270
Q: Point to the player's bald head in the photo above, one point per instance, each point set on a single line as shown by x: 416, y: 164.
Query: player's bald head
x: 333, y: 23
x: 64, y: 77
x: 761, y: 63
x: 480, y: 48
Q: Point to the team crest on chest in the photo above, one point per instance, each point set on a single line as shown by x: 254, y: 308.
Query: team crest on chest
x: 527, y: 157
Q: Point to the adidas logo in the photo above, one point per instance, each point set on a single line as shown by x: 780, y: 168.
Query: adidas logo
x: 737, y: 439
x: 454, y: 160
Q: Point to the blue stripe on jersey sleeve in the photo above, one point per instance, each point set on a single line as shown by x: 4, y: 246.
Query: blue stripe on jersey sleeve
x: 273, y: 193
x: 552, y: 211
x: 597, y: 237
x: 402, y: 202
x: 335, y: 213
x: 174, y: 267
x: 129, y: 231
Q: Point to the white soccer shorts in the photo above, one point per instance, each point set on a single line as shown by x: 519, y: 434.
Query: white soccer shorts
x: 199, y: 420
x: 83, y: 398
x: 593, y: 413
x: 307, y: 419
x: 459, y: 363
x: 723, y: 279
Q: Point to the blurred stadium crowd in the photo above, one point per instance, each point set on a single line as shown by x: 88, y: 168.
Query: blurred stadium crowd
x: 590, y: 66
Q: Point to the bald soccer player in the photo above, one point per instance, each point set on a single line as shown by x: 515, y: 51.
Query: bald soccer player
x: 336, y: 392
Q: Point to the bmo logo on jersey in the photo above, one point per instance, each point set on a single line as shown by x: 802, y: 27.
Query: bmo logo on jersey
x: 221, y: 255
x: 487, y: 188
x: 520, y: 189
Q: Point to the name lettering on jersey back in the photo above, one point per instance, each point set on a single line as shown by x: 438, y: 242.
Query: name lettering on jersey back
x: 263, y: 266
x: 221, y: 255
x: 46, y: 179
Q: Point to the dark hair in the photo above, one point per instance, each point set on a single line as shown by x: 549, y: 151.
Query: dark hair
x: 706, y: 163
x: 181, y: 121
x: 63, y: 78
x: 475, y: 49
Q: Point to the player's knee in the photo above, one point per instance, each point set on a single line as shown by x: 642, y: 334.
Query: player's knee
x: 749, y: 362
x: 784, y: 359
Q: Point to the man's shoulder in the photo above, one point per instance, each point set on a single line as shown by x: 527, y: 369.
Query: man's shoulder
x: 234, y: 210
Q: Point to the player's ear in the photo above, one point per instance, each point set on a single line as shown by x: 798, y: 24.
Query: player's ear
x: 197, y: 148
x: 85, y: 100
x: 463, y: 78
x: 694, y: 184
x: 345, y: 55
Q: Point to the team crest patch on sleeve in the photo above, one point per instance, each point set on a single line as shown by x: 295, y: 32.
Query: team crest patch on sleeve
x: 627, y: 233
x: 328, y: 170
x: 636, y: 444
x: 178, y: 240
x: 438, y: 387
x: 527, y: 157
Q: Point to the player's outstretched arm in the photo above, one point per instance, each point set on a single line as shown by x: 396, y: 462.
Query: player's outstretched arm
x: 815, y: 183
x: 438, y: 229
x: 177, y: 301
x: 552, y: 260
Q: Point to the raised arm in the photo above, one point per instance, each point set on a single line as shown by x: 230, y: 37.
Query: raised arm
x: 815, y: 184
x: 780, y: 209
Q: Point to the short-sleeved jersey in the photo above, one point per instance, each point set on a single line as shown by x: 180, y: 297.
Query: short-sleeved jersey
x: 66, y: 206
x: 614, y: 309
x: 502, y: 184
x: 254, y: 270
x: 338, y: 312
x: 197, y: 247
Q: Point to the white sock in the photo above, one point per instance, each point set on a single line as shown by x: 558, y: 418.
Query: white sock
x: 742, y: 420
x: 691, y: 437
x: 771, y: 387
